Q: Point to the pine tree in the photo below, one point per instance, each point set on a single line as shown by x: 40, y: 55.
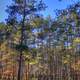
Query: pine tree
x: 20, y: 12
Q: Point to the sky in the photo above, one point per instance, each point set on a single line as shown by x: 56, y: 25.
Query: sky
x: 52, y: 6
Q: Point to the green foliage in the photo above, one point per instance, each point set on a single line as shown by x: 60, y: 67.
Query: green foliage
x: 21, y: 47
x: 2, y: 26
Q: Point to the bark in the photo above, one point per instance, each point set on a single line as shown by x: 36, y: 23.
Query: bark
x: 20, y: 68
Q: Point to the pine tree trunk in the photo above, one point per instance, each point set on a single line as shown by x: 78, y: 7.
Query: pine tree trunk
x: 1, y: 67
x: 27, y: 71
x: 20, y: 68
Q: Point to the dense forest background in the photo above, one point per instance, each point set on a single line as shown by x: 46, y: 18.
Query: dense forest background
x: 33, y: 47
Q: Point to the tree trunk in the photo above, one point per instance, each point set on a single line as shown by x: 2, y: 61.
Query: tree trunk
x: 20, y: 67
x: 27, y: 72
x: 20, y: 70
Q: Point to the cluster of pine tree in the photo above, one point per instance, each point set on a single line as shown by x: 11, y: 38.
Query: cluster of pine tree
x: 36, y: 48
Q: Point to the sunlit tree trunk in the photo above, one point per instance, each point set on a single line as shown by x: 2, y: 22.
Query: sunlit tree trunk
x: 1, y: 67
x: 27, y: 71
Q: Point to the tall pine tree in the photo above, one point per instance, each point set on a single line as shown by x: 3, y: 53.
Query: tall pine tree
x: 20, y: 12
